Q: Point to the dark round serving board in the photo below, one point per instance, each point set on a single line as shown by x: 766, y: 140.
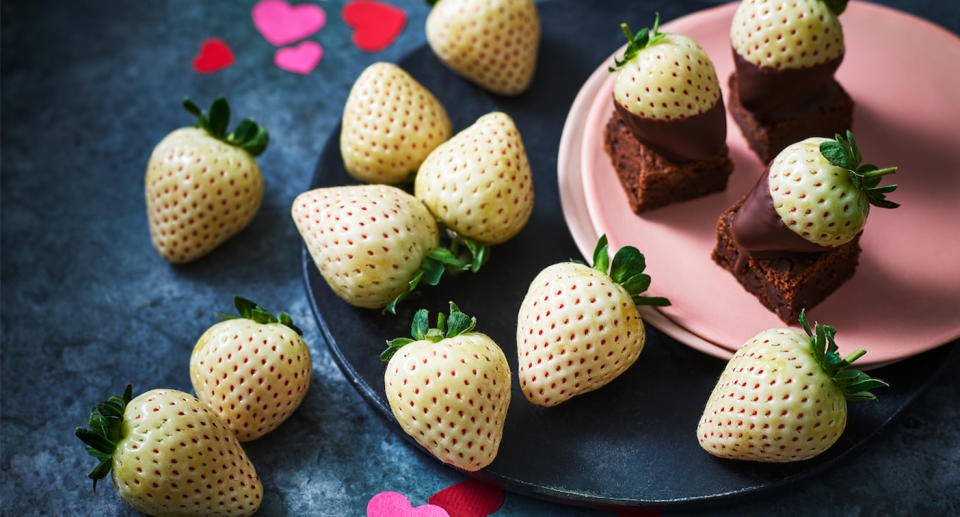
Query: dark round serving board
x: 631, y: 443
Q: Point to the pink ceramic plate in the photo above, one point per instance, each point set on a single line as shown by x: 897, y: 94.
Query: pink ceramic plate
x: 905, y: 296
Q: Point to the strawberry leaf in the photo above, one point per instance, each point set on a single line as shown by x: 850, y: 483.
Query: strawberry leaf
x: 457, y: 323
x: 642, y: 39
x: 601, y: 255
x: 463, y: 255
x: 420, y: 324
x: 248, y: 135
x: 627, y: 270
x: 219, y: 117
x: 249, y: 310
x: 854, y: 384
x: 105, y: 422
x: 837, y: 6
x: 846, y: 154
x: 627, y: 262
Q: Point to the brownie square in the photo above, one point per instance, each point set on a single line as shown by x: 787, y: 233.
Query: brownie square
x: 652, y: 180
x: 793, y: 123
x: 786, y: 282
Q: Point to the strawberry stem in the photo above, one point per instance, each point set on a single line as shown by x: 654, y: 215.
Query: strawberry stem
x: 626, y: 270
x: 106, y: 420
x: 854, y: 384
x: 248, y: 135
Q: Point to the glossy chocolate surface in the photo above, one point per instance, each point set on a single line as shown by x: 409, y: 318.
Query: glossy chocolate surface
x: 757, y: 228
x: 700, y: 137
x: 774, y: 94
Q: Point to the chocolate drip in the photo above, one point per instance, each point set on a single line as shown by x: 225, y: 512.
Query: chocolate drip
x: 700, y: 137
x: 758, y: 229
x: 773, y: 92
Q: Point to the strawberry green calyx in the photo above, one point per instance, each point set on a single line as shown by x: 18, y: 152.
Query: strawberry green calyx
x: 846, y: 154
x: 248, y: 135
x: 463, y: 255
x: 639, y: 41
x: 855, y: 384
x: 626, y: 270
x: 837, y: 6
x: 447, y: 327
x: 101, y: 438
x: 251, y: 311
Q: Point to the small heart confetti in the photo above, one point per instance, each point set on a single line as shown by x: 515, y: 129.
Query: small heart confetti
x: 301, y: 59
x: 375, y: 24
x: 280, y: 23
x: 392, y: 504
x: 215, y: 55
x: 469, y: 499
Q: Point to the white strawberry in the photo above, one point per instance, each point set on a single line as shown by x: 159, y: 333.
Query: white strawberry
x: 669, y: 78
x: 203, y: 185
x: 374, y: 244
x: 479, y: 183
x: 390, y: 125
x: 782, y: 34
x: 822, y: 192
x: 252, y: 371
x: 490, y: 42
x: 783, y: 397
x: 579, y: 328
x: 169, y: 455
x: 449, y: 389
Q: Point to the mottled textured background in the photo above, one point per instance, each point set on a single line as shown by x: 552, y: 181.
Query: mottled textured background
x: 88, y: 88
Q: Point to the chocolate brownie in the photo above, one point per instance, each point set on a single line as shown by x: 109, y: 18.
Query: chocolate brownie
x: 828, y: 113
x: 652, y: 180
x: 786, y: 282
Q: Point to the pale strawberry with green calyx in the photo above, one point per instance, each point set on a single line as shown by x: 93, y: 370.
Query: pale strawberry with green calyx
x: 203, y: 184
x: 390, y: 124
x: 492, y: 43
x: 169, y: 455
x: 667, y: 90
x: 375, y: 244
x: 578, y: 327
x: 449, y: 388
x: 781, y: 34
x: 252, y: 371
x: 823, y: 193
x: 479, y: 183
x: 783, y: 397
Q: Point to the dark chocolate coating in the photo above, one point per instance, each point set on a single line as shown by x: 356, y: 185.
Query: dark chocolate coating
x: 757, y: 228
x: 764, y: 90
x: 700, y: 137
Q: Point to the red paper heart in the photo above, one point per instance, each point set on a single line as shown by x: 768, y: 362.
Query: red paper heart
x: 468, y: 499
x: 214, y: 55
x: 375, y: 24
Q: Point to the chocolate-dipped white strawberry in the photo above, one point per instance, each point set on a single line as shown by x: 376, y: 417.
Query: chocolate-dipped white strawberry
x: 667, y: 91
x: 785, y: 50
x: 816, y: 188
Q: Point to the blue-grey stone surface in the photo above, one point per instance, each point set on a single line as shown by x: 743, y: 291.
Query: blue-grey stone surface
x: 88, y: 88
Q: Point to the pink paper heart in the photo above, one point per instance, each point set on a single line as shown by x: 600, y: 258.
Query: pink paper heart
x: 280, y: 23
x: 392, y: 504
x: 301, y: 59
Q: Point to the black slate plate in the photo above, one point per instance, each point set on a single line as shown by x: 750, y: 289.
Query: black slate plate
x: 632, y: 443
